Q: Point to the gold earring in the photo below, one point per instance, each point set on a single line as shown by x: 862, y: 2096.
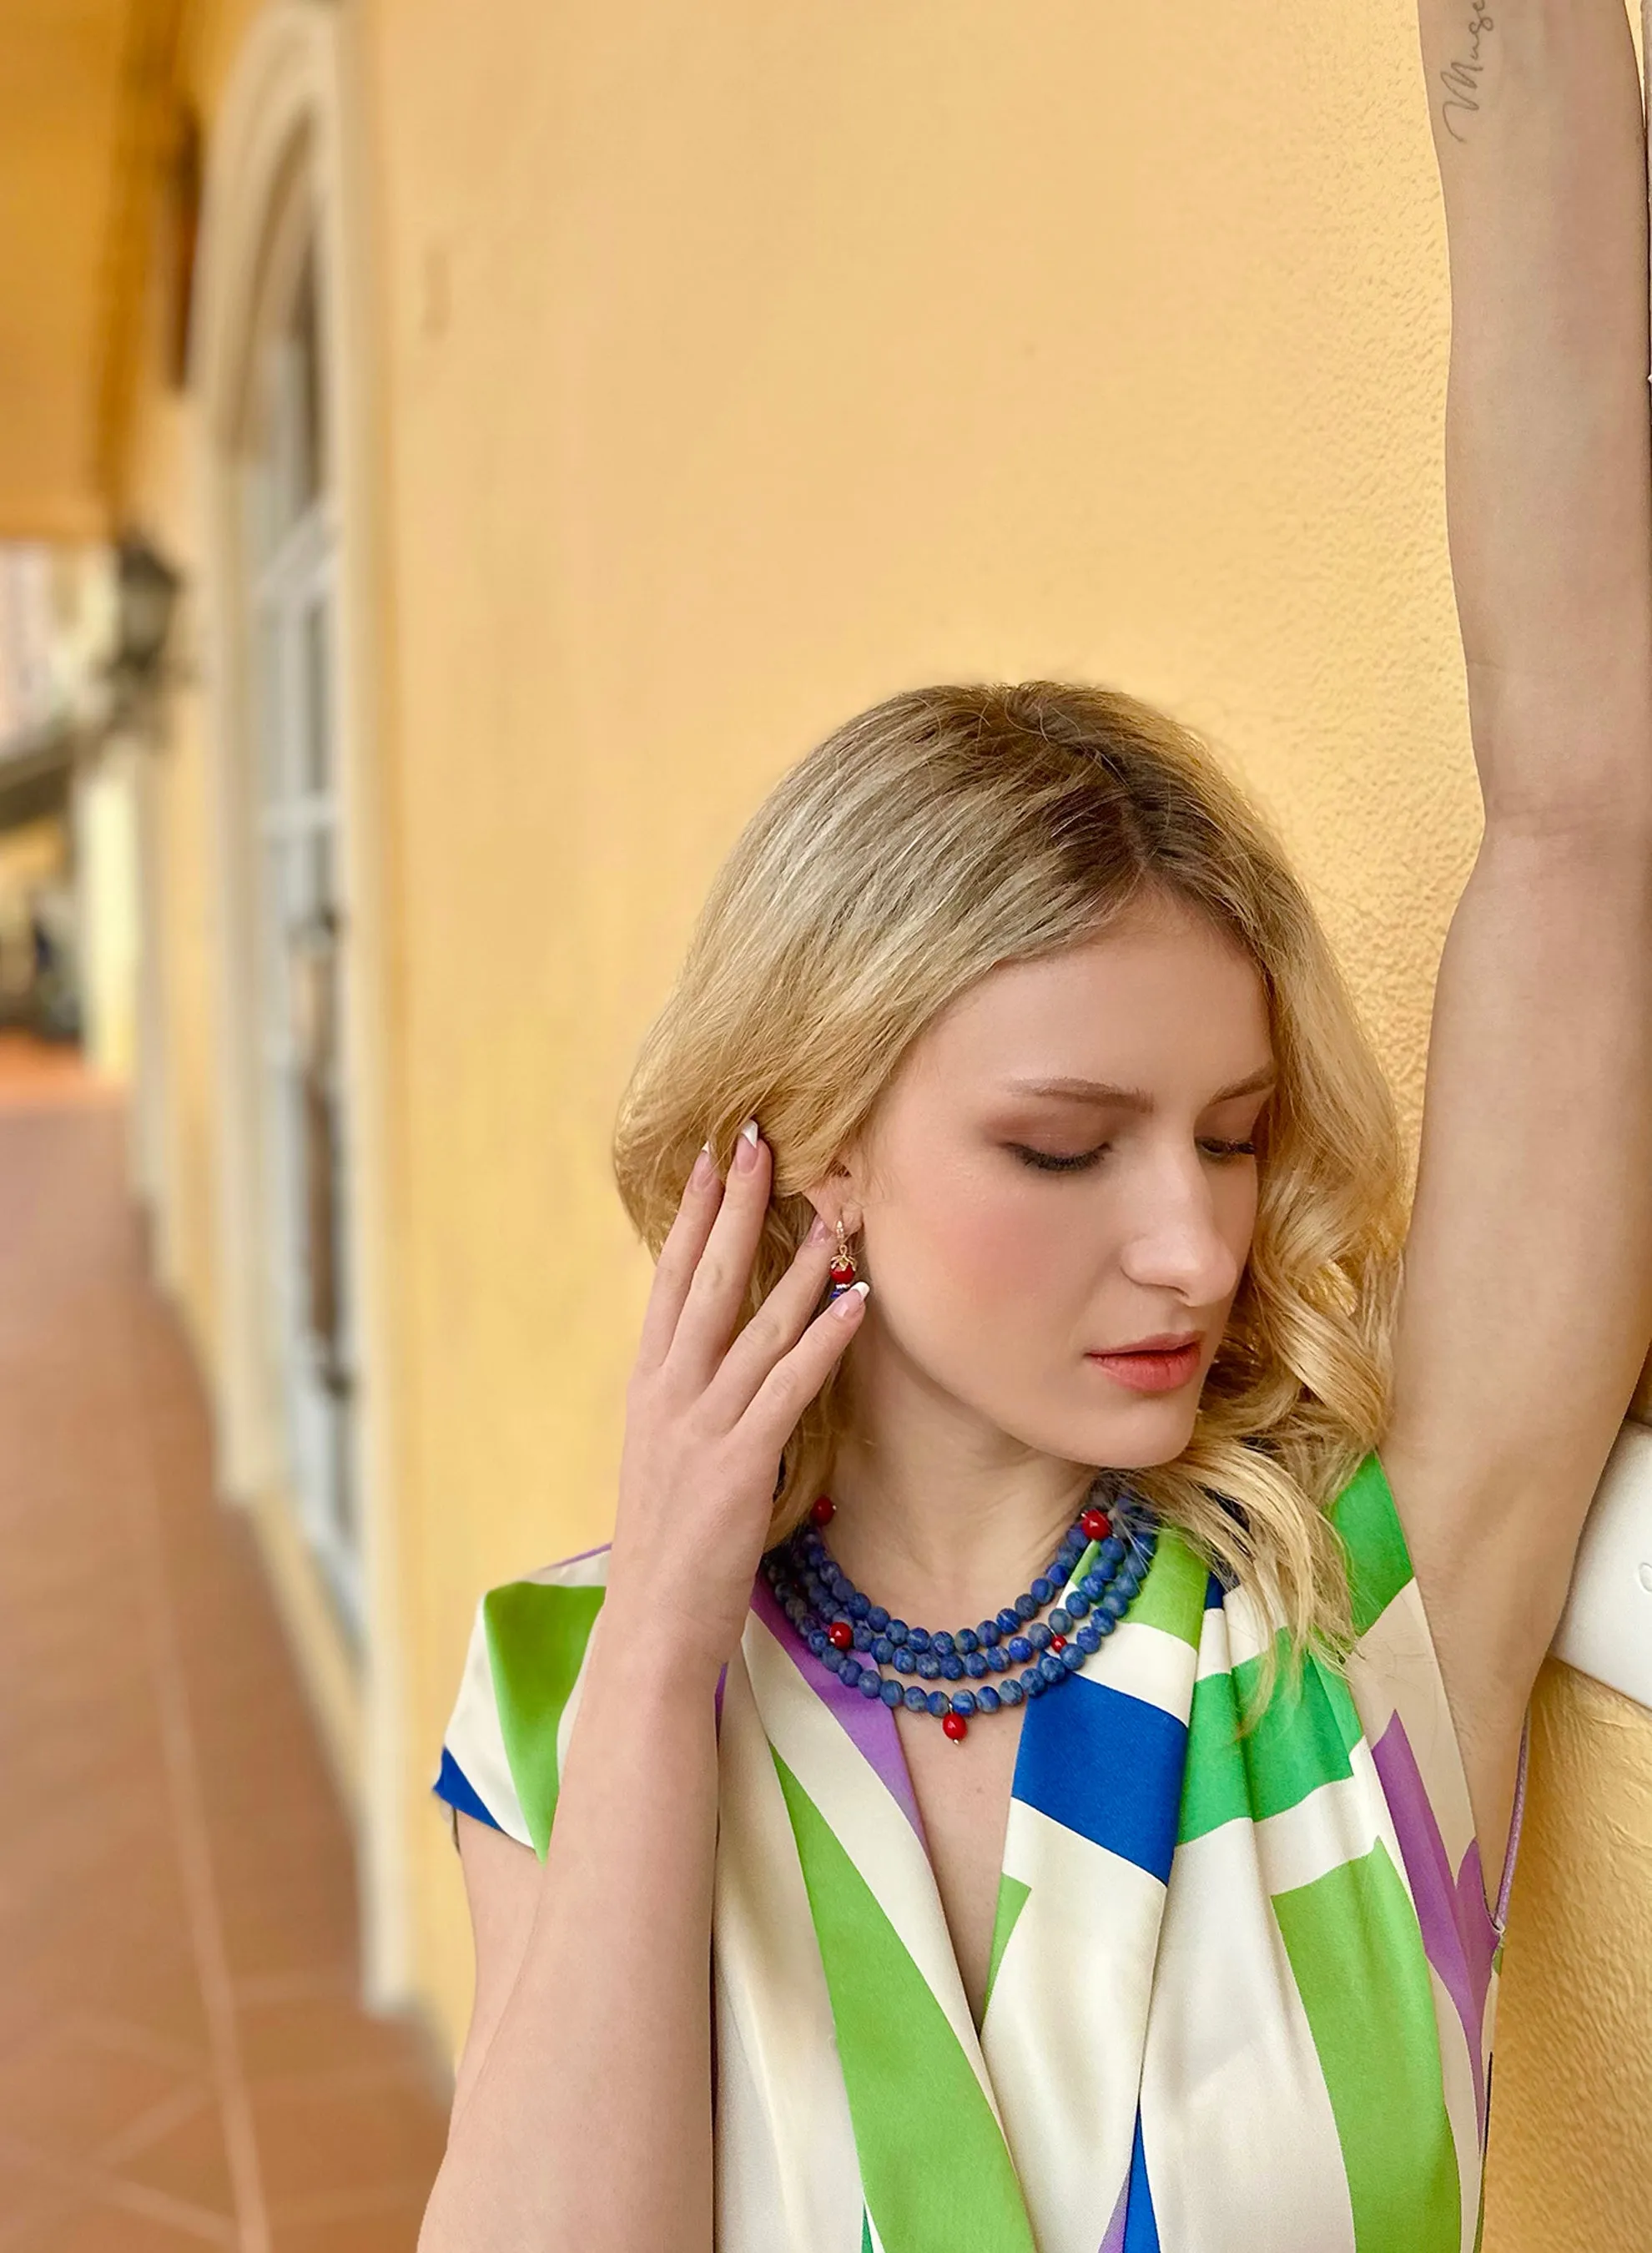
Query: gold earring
x: 842, y: 1269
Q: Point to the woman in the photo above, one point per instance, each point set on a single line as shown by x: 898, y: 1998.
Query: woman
x: 1158, y: 1903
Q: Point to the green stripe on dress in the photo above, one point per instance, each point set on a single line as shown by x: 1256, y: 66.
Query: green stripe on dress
x: 936, y: 2172
x: 1172, y: 1596
x: 1379, y: 1563
x: 1302, y: 1741
x: 1012, y: 1900
x: 537, y: 1633
x: 1356, y: 1955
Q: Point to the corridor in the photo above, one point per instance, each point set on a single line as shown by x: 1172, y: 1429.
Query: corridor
x: 181, y: 2060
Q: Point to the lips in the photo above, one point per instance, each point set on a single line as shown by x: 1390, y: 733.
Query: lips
x: 1151, y: 1369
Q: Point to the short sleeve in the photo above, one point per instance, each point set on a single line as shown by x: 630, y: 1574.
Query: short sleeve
x: 503, y: 1747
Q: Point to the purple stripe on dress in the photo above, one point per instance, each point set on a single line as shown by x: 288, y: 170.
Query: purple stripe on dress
x: 1499, y: 1914
x: 1459, y: 1937
x: 1114, y: 2241
x: 868, y: 1721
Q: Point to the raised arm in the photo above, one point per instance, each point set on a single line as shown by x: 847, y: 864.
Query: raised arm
x: 1528, y: 1297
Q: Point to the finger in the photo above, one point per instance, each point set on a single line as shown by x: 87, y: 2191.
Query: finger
x: 798, y: 1376
x: 723, y: 1272
x: 774, y: 1329
x: 674, y: 1270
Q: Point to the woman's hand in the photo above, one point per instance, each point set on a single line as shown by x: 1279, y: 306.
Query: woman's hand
x: 706, y: 1420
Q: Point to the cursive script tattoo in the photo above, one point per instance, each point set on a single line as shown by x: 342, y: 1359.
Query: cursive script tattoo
x: 1461, y: 79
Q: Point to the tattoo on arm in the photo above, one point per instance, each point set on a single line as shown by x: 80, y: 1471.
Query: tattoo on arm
x: 1461, y: 77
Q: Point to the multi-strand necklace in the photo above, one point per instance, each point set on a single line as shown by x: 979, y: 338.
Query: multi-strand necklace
x: 1032, y: 1646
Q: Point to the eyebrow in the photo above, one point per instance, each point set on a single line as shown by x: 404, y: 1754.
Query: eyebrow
x: 1135, y: 1098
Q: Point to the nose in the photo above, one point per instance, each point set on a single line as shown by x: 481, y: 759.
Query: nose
x: 1190, y: 1228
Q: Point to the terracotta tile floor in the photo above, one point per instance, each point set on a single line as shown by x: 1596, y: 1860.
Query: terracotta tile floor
x: 183, y: 2060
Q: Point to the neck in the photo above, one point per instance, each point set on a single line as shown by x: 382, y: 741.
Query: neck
x: 941, y: 1517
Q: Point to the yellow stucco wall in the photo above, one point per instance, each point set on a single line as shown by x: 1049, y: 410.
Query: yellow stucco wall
x: 737, y: 369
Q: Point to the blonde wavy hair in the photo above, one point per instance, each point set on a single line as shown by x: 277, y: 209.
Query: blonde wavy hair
x: 954, y: 828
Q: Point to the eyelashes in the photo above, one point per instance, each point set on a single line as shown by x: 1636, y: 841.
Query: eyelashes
x: 1080, y: 1162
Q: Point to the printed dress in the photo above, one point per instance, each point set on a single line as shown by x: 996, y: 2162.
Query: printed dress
x: 1242, y: 1988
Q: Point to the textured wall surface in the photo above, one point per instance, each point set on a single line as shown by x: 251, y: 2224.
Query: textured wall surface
x: 739, y: 368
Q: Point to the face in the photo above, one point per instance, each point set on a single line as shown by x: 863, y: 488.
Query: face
x: 1059, y: 1171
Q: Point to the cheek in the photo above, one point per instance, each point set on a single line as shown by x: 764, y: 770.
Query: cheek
x: 984, y: 1235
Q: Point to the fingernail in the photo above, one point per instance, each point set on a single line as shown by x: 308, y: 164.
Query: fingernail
x: 705, y: 1168
x: 818, y: 1232
x: 750, y: 1130
x: 851, y: 1302
x: 746, y: 1147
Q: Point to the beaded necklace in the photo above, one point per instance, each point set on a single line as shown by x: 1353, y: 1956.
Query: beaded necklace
x: 1090, y: 1583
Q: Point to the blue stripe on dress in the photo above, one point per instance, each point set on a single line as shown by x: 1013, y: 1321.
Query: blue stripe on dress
x: 1107, y: 1766
x: 1141, y: 2226
x: 453, y: 1785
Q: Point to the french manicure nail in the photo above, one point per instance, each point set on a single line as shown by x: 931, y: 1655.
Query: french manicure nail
x: 750, y: 1130
x: 705, y: 1168
x: 746, y: 1147
x: 852, y: 1300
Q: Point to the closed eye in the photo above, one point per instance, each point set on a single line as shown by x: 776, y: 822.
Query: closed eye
x: 1078, y: 1161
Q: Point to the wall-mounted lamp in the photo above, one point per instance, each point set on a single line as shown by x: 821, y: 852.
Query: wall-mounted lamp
x: 146, y: 591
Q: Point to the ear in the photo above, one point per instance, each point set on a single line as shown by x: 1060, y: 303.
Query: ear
x: 836, y: 1198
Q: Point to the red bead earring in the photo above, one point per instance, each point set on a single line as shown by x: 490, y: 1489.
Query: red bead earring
x: 842, y: 1270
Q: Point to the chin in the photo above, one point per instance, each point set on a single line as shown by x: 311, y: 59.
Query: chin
x: 1135, y: 1436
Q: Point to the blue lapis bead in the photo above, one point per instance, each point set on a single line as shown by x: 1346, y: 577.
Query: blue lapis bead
x: 859, y: 1605
x: 832, y: 1660
x: 1008, y: 1621
x: 1033, y: 1684
x: 898, y: 1631
x: 1051, y: 1666
x: 1105, y: 1622
x: 890, y: 1692
x: 1010, y: 1693
x: 937, y: 1703
x: 1038, y: 1635
x: 918, y: 1638
x: 1077, y: 1604
x: 916, y: 1700
x: 1026, y: 1605
x: 927, y: 1665
x: 1020, y: 1650
x: 877, y: 1619
x: 1094, y: 1584
x: 883, y: 1650
x: 941, y: 1644
x: 850, y: 1670
x: 870, y: 1683
x: 1111, y: 1554
x: 905, y: 1662
x: 1113, y: 1603
x: 953, y: 1667
x: 863, y: 1638
x: 964, y: 1702
x: 966, y: 1641
x: 975, y: 1666
x: 1061, y: 1621
x: 1088, y: 1638
x: 998, y: 1658
x: 988, y: 1631
x: 1072, y: 1658
x: 987, y: 1699
x: 817, y: 1643
x: 1041, y: 1592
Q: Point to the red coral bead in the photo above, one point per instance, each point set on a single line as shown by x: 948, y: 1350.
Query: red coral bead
x: 824, y: 1511
x: 1095, y: 1525
x: 954, y: 1726
x: 1058, y: 1642
x: 840, y: 1636
x: 841, y: 1271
